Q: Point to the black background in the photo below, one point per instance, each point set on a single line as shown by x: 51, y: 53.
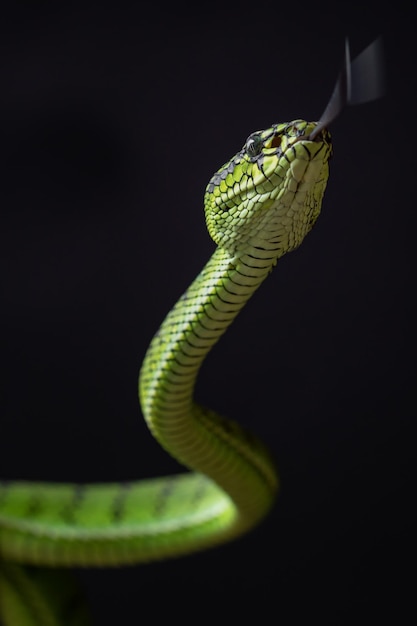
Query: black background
x: 112, y: 122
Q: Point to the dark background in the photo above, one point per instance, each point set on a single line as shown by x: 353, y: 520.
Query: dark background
x: 112, y: 122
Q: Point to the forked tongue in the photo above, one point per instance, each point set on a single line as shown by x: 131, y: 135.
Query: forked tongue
x: 359, y: 81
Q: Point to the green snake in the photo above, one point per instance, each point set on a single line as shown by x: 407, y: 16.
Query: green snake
x: 258, y: 206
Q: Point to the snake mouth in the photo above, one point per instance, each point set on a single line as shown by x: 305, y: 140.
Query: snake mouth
x: 318, y: 134
x: 318, y: 137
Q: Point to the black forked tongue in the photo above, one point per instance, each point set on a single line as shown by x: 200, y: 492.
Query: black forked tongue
x: 359, y: 81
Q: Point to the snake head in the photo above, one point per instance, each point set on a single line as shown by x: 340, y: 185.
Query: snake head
x: 269, y: 194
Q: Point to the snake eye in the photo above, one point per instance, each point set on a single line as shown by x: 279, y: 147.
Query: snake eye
x: 254, y: 145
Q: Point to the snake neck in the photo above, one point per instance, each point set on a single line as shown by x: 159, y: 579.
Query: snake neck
x: 198, y: 437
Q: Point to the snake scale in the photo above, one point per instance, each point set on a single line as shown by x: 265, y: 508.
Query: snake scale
x: 258, y: 206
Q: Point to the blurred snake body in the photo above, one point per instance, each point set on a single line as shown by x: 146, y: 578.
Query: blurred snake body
x: 258, y: 206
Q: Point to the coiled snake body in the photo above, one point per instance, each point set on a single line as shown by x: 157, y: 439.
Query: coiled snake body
x: 258, y: 206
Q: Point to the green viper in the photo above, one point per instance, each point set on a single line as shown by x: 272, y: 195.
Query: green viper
x: 258, y: 206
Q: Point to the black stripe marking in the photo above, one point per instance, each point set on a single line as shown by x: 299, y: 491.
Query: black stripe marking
x: 68, y: 513
x: 163, y: 496
x: 222, y: 311
x: 207, y: 339
x: 307, y: 150
x: 232, y: 293
x: 119, y: 502
x: 214, y: 330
